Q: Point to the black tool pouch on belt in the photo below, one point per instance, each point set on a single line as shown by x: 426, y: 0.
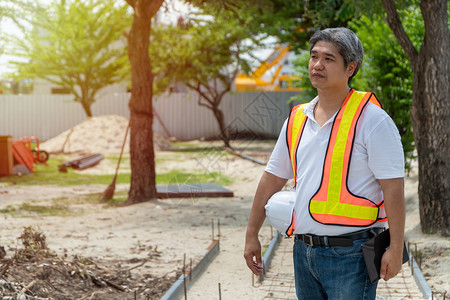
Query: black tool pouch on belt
x: 374, y: 249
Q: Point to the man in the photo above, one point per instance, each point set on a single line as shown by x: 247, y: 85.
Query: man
x: 346, y: 156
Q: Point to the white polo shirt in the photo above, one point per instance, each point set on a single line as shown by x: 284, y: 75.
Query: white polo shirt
x: 377, y: 154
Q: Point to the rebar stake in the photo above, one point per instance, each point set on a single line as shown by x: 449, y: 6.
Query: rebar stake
x: 190, y: 269
x: 212, y: 226
x: 220, y: 292
x: 409, y: 251
x: 218, y: 229
x: 185, y: 289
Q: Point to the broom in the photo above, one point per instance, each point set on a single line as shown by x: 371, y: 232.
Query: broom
x: 108, y: 194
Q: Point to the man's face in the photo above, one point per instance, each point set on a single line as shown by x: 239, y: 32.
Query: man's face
x: 326, y: 67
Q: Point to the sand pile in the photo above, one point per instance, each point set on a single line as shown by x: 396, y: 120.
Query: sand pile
x: 103, y: 134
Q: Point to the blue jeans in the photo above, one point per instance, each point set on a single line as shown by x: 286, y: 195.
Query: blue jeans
x: 334, y: 273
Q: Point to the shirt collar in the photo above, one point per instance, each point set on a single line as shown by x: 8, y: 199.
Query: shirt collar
x: 309, y: 111
x: 309, y: 108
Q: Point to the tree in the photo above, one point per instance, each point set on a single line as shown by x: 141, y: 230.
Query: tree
x: 205, y: 57
x: 142, y: 155
x: 74, y: 44
x: 430, y: 110
x: 388, y: 72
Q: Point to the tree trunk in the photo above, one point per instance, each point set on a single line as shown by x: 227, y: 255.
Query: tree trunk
x: 86, y: 108
x: 224, y: 134
x: 85, y: 103
x: 430, y: 115
x: 142, y: 156
x: 430, y: 111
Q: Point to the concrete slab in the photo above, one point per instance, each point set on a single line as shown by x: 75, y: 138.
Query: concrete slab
x: 188, y: 278
x: 192, y: 190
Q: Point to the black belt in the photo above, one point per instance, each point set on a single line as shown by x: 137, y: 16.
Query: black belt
x: 337, y: 240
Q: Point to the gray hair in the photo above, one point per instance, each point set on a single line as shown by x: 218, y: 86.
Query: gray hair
x: 348, y: 44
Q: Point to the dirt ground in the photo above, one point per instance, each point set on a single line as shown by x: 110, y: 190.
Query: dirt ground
x: 137, y: 252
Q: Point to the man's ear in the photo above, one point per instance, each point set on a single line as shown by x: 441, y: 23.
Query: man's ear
x: 351, y: 67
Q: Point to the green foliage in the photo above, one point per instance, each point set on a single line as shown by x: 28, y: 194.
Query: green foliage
x: 387, y: 71
x: 290, y: 21
x: 74, y: 44
x: 301, y: 67
x: 202, y: 51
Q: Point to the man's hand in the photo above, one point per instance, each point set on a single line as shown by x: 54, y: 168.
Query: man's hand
x: 394, y: 203
x: 268, y: 185
x: 391, y: 263
x: 252, y: 255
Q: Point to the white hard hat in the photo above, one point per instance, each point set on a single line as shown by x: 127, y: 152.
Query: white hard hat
x: 279, y: 210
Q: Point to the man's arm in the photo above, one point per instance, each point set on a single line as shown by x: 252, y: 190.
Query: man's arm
x: 268, y: 185
x: 394, y: 204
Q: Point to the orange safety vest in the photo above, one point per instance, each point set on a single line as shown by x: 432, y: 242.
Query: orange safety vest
x: 333, y: 203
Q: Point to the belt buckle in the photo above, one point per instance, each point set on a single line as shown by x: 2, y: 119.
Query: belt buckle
x: 308, y: 240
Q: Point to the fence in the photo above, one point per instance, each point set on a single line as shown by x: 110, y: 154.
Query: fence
x: 45, y: 116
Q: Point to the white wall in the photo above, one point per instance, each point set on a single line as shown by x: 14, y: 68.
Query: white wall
x: 46, y: 116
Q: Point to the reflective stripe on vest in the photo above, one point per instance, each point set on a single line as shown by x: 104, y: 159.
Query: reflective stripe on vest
x: 333, y: 203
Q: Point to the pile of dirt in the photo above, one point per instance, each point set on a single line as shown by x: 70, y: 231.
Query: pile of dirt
x: 34, y: 272
x: 103, y: 134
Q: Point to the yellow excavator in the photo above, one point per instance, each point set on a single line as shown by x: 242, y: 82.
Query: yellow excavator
x: 279, y: 81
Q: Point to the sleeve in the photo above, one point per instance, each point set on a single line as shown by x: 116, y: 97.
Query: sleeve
x: 385, y: 151
x: 279, y: 163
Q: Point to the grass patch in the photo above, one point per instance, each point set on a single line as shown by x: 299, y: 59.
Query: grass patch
x: 188, y: 144
x: 10, y: 210
x: 205, y: 148
x: 176, y: 177
x: 119, y: 197
x: 161, y: 158
x: 58, y: 207
x: 29, y: 209
x: 114, y: 159
x: 49, y: 175
x: 46, y: 210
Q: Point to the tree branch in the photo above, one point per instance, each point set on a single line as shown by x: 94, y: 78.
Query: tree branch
x: 203, y: 95
x: 212, y: 91
x: 394, y: 22
x: 131, y: 2
x: 146, y: 8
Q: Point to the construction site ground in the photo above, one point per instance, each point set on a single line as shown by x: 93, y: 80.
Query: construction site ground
x: 148, y: 242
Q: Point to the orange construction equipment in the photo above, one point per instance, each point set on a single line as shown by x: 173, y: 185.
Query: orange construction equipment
x: 22, y: 154
x: 6, y: 156
x: 279, y: 81
x: 25, y: 155
x: 39, y: 156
